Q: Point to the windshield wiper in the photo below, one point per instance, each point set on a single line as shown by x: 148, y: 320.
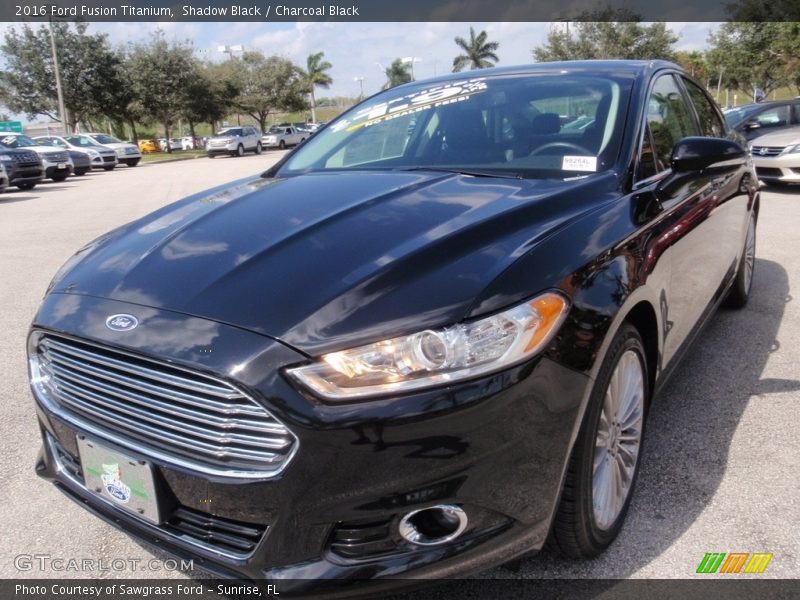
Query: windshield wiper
x: 460, y: 171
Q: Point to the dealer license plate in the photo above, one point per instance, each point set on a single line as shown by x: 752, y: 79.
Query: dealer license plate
x: 61, y: 165
x: 122, y: 479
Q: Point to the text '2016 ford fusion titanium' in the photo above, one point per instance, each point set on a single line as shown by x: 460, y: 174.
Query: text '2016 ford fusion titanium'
x: 421, y: 344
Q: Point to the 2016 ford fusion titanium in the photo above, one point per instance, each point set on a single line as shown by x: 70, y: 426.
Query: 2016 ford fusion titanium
x: 422, y: 344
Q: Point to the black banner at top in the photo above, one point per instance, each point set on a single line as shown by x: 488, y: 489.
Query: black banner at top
x: 396, y: 10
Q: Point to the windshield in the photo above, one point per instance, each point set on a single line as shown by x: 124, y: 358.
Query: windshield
x: 230, y: 131
x: 508, y: 125
x: 102, y: 138
x: 81, y: 140
x: 17, y: 141
x: 276, y: 129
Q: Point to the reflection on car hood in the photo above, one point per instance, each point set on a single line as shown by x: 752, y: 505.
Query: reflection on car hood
x: 785, y: 137
x: 328, y: 260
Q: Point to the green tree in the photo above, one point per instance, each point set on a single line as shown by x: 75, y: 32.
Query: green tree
x: 478, y: 53
x: 753, y: 55
x: 694, y: 63
x: 209, y: 97
x: 397, y: 73
x: 161, y: 74
x: 315, y: 75
x: 266, y: 85
x: 88, y: 67
x: 607, y: 39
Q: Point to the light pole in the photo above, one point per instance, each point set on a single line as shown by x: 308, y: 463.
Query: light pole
x: 360, y: 81
x: 410, y: 60
x: 229, y: 50
x: 62, y: 111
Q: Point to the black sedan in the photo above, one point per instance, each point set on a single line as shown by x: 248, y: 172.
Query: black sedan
x: 422, y: 344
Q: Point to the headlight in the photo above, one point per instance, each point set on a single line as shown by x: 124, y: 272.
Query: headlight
x: 93, y: 153
x: 6, y: 158
x: 793, y: 149
x: 436, y: 357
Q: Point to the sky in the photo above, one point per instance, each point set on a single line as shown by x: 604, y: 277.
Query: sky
x: 362, y: 49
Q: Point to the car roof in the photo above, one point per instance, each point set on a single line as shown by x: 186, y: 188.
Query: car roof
x: 636, y: 67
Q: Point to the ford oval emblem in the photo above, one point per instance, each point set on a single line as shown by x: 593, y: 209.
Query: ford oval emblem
x: 122, y: 322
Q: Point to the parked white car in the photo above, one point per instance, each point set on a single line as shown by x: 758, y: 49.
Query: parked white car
x: 55, y: 161
x: 101, y: 157
x: 187, y: 143
x: 281, y: 136
x: 174, y: 144
x: 776, y: 156
x: 234, y: 141
x: 126, y: 153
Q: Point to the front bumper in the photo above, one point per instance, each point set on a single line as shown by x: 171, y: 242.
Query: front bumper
x: 104, y: 160
x: 227, y: 149
x: 24, y: 174
x: 54, y: 170
x: 779, y: 169
x: 496, y: 446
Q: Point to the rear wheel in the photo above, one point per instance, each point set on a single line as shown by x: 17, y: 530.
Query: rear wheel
x: 605, y: 460
x: 740, y: 290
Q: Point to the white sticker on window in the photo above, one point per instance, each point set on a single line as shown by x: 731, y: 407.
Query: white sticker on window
x: 579, y: 163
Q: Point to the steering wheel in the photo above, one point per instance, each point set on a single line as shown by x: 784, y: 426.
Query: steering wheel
x: 569, y: 145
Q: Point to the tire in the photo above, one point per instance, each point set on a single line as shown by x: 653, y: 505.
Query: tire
x: 82, y: 171
x: 587, y: 520
x: 25, y: 186
x: 258, y: 148
x: 239, y: 150
x: 132, y: 162
x: 740, y: 290
x: 212, y: 156
x: 109, y: 168
x: 302, y: 140
x: 282, y: 145
x: 59, y: 178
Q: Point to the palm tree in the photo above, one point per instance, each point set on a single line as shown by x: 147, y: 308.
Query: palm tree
x: 396, y: 74
x: 315, y: 75
x: 480, y: 54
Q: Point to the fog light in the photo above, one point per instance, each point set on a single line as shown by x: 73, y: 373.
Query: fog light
x: 433, y: 526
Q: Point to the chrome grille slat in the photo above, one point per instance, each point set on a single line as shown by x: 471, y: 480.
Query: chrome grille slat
x: 91, y: 410
x: 767, y: 150
x: 148, y: 373
x: 187, y: 399
x: 161, y: 410
x: 226, y: 438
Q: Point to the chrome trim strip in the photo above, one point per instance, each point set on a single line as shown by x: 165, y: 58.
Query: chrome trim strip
x: 145, y: 372
x: 67, y: 478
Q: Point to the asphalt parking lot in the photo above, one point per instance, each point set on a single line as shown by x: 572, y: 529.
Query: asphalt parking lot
x: 722, y: 456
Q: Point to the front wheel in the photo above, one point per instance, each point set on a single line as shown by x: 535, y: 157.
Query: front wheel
x: 605, y: 460
x: 25, y: 186
x: 109, y: 168
x: 740, y: 290
x: 240, y: 150
x: 132, y: 162
x: 282, y: 145
x: 59, y: 178
x: 258, y: 148
x: 82, y: 171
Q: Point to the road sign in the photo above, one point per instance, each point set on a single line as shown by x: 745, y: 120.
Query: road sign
x: 11, y: 126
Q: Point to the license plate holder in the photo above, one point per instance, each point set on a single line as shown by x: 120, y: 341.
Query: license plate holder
x: 125, y: 481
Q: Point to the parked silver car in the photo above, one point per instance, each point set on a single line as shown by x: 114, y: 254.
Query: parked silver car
x: 281, y: 136
x: 776, y: 156
x: 101, y: 157
x: 234, y: 141
x: 126, y: 153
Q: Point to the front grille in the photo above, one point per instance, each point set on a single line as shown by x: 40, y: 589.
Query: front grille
x: 768, y: 172
x: 26, y: 157
x: 766, y: 151
x: 56, y: 156
x: 191, y: 419
x: 109, y: 158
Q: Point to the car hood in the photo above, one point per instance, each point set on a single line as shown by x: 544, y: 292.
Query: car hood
x: 782, y: 138
x: 44, y: 149
x: 116, y: 145
x: 329, y: 260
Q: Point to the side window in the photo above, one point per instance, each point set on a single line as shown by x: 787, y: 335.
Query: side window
x: 710, y: 123
x: 647, y: 158
x: 668, y: 118
x: 777, y: 116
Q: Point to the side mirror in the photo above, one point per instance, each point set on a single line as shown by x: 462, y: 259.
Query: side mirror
x: 752, y: 124
x: 699, y: 153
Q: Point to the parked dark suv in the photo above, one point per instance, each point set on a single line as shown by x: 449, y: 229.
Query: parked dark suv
x: 414, y: 344
x: 24, y: 167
